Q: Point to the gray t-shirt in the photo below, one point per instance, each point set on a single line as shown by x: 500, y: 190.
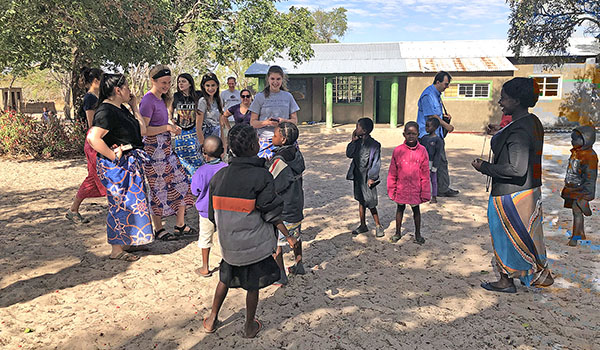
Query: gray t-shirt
x: 278, y: 105
x: 230, y: 98
x: 211, y: 117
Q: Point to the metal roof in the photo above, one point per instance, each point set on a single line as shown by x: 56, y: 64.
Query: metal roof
x: 412, y: 56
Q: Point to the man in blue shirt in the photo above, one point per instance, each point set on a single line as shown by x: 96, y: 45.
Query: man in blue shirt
x: 430, y: 106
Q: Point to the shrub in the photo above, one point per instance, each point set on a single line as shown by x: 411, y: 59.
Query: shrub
x: 22, y: 134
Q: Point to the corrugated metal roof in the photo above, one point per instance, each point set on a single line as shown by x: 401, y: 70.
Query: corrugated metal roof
x: 412, y: 56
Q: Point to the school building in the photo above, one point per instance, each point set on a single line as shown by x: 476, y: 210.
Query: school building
x: 383, y: 81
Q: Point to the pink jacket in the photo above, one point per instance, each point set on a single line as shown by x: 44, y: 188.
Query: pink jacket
x: 408, y: 178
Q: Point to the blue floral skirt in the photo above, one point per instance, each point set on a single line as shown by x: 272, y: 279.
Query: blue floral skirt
x: 188, y: 151
x: 128, y: 220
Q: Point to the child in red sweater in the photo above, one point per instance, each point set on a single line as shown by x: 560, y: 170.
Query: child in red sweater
x: 408, y: 180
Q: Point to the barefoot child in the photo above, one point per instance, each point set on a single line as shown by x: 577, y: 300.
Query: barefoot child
x: 434, y: 146
x: 287, y: 166
x: 212, y: 151
x: 408, y: 180
x: 580, y: 180
x: 364, y: 173
x: 246, y: 210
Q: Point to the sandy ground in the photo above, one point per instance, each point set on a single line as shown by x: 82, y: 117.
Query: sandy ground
x: 58, y: 290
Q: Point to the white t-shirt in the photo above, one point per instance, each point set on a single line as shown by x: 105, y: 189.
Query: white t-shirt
x: 230, y: 99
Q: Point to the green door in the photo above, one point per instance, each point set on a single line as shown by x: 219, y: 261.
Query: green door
x: 383, y: 92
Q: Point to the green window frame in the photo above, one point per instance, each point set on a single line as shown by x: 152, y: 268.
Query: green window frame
x: 469, y: 90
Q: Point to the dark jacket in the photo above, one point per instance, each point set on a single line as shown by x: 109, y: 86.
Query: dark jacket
x: 434, y: 146
x: 244, y: 206
x: 582, y: 171
x: 517, y: 163
x: 374, y: 164
x: 287, y: 166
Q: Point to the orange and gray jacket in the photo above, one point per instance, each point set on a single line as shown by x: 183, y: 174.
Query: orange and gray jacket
x: 582, y: 171
x: 287, y: 166
x: 244, y: 207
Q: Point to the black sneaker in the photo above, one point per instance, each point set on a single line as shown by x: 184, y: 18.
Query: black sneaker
x: 449, y: 193
x: 360, y: 229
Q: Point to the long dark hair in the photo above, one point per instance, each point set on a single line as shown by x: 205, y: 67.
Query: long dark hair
x: 88, y: 75
x: 275, y: 70
x: 192, y: 89
x: 217, y: 96
x: 108, y: 83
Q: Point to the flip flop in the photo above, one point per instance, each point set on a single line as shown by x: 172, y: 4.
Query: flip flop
x: 258, y: 330
x: 197, y: 271
x: 206, y: 330
x: 124, y: 256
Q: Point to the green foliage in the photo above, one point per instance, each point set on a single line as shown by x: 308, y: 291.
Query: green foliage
x: 582, y: 104
x: 24, y: 135
x: 330, y: 24
x: 66, y: 34
x: 546, y: 26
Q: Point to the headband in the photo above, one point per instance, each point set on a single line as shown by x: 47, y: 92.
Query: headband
x: 162, y: 73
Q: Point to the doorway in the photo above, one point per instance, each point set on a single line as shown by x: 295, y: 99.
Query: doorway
x: 383, y: 99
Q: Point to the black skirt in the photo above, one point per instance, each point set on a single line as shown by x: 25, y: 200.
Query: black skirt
x: 250, y: 277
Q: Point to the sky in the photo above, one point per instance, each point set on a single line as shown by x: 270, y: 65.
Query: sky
x: 416, y: 20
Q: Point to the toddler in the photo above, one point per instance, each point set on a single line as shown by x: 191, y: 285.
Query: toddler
x: 434, y: 146
x: 580, y: 180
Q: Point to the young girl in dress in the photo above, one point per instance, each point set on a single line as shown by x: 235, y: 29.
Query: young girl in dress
x: 210, y: 108
x: 91, y: 186
x: 169, y: 190
x: 183, y: 112
x: 408, y: 180
x: 246, y: 210
x: 270, y: 107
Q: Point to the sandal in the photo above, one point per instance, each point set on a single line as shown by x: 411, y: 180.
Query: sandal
x: 137, y: 248
x: 258, y: 330
x: 214, y: 329
x: 197, y: 271
x: 419, y: 240
x: 124, y: 256
x: 181, y: 231
x: 76, y: 217
x: 166, y: 236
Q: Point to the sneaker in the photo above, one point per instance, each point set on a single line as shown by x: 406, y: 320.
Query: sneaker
x: 379, y: 231
x: 449, y: 193
x: 76, y: 217
x: 360, y: 229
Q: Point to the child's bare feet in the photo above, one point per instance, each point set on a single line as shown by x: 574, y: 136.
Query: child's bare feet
x: 251, y: 329
x: 572, y: 243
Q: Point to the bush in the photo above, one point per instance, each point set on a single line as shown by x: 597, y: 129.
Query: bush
x: 24, y: 135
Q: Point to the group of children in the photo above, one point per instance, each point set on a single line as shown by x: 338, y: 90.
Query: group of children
x: 250, y: 201
x: 411, y: 177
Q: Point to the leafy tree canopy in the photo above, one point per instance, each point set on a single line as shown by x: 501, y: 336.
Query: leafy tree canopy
x: 330, y: 25
x: 546, y: 25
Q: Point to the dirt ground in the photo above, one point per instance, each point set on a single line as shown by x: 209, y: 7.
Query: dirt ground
x: 58, y: 290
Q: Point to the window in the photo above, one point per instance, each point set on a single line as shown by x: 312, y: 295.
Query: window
x: 347, y: 89
x: 469, y: 90
x: 549, y: 86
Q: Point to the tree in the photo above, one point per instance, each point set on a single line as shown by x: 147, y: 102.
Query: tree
x: 65, y: 35
x: 582, y: 104
x: 546, y: 26
x: 329, y: 25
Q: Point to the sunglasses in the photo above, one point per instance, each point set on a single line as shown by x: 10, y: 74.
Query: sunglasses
x: 245, y: 96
